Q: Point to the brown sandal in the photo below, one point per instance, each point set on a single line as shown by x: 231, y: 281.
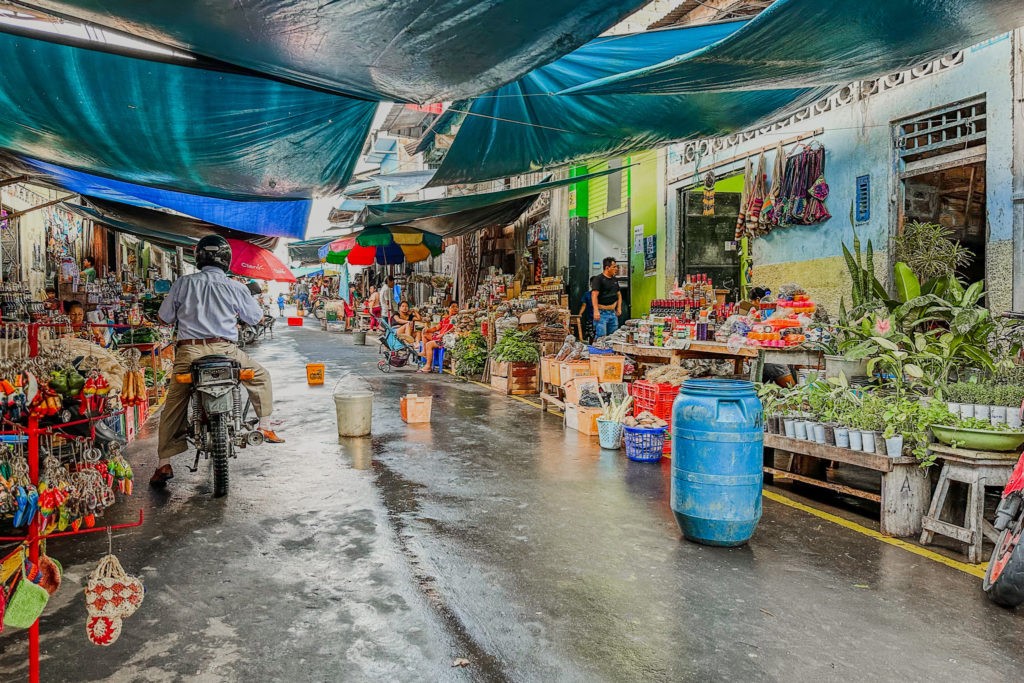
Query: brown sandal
x: 161, y: 476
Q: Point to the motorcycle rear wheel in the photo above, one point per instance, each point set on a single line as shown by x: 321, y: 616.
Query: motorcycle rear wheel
x: 1004, y: 578
x: 220, y: 450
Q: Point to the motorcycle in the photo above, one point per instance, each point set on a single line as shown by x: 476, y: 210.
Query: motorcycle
x: 249, y: 334
x: 218, y: 421
x: 1004, y: 578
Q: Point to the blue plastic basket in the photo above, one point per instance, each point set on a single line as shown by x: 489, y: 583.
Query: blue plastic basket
x: 594, y: 351
x: 644, y: 445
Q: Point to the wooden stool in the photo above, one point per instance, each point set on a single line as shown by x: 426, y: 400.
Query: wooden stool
x: 976, y: 469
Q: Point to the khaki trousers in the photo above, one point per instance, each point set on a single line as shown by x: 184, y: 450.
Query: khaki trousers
x: 175, y: 410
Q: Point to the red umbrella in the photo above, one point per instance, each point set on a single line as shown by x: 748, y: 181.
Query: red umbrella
x: 248, y: 260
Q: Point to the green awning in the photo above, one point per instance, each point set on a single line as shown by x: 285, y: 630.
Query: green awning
x: 453, y: 216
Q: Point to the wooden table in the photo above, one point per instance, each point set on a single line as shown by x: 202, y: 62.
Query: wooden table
x: 695, y: 349
x: 787, y: 357
x: 975, y: 469
x: 906, y: 487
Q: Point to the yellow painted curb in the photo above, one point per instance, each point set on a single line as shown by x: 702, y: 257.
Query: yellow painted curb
x: 977, y: 570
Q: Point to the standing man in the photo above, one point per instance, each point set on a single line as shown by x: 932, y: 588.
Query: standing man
x: 205, y: 306
x: 88, y: 273
x: 606, y: 299
x: 387, y: 299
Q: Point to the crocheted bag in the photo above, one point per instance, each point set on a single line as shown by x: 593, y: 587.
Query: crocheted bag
x: 26, y: 603
x: 103, y: 630
x: 110, y: 592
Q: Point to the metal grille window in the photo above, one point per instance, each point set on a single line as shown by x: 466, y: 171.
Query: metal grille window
x: 953, y: 128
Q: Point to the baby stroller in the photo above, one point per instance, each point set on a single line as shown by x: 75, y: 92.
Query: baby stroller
x: 395, y: 352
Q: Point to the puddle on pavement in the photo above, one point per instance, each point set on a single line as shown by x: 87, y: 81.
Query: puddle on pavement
x: 358, y: 449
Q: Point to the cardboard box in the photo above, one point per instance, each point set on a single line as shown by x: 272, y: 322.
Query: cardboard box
x: 583, y: 420
x: 608, y: 368
x: 568, y: 371
x: 573, y: 388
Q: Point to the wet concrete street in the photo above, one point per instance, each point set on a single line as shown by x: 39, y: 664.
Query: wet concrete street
x: 495, y: 536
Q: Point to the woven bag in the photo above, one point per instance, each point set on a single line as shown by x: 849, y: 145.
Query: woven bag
x: 110, y: 592
x: 103, y: 630
x: 26, y: 603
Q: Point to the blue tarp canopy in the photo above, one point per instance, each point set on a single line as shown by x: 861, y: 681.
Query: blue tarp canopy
x: 522, y: 127
x: 798, y: 43
x: 307, y: 250
x: 175, y: 127
x: 283, y: 218
x: 308, y: 271
x: 452, y: 216
x: 408, y: 50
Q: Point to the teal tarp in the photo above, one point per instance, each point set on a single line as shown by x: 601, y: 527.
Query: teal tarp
x: 162, y: 238
x: 403, y: 50
x: 175, y: 127
x: 453, y: 216
x: 523, y: 127
x: 810, y: 42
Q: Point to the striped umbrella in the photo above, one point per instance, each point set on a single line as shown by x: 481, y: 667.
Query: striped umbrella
x: 383, y: 245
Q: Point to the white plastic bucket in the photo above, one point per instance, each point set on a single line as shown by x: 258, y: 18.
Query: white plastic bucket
x: 355, y: 413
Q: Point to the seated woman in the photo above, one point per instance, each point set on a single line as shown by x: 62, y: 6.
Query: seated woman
x: 79, y: 328
x: 434, y: 336
x: 405, y: 320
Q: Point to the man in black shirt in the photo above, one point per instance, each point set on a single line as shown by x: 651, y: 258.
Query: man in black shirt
x: 606, y: 299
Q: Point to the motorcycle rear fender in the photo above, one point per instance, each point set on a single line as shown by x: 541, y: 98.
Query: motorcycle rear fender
x: 219, y: 402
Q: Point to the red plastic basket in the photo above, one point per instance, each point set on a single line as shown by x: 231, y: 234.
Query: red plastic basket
x: 654, y: 398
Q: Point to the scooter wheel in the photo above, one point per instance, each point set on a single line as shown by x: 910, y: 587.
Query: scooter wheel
x: 383, y: 366
x: 1004, y: 578
x: 254, y: 438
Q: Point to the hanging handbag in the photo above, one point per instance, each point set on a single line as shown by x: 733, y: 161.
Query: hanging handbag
x: 110, y: 592
x: 756, y: 201
x: 741, y: 218
x: 26, y: 604
x: 770, y: 210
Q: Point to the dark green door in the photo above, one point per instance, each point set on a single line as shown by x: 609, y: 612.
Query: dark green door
x: 708, y: 243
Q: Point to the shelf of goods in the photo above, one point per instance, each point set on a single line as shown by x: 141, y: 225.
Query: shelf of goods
x: 57, y: 477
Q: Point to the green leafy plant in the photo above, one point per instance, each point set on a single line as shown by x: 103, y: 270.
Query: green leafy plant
x: 865, y: 287
x: 517, y: 346
x: 469, y: 354
x: 929, y: 251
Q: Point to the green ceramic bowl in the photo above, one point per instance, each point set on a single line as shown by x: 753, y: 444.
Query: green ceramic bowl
x: 979, y: 439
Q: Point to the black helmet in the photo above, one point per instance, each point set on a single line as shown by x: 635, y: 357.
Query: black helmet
x: 213, y: 250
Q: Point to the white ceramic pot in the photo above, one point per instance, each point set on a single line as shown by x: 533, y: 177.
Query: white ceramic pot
x: 819, y: 432
x: 789, y: 425
x: 997, y: 415
x: 953, y: 408
x: 856, y: 440
x: 981, y: 411
x: 801, y: 429
x: 1013, y: 417
x: 966, y: 410
x: 868, y: 441
x: 842, y: 437
x: 894, y: 446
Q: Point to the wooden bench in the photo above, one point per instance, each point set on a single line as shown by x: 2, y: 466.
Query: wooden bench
x: 906, y: 488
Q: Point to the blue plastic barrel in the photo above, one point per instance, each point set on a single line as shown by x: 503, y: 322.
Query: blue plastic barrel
x: 717, y: 446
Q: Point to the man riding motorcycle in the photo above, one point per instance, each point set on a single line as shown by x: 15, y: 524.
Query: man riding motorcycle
x: 206, y: 306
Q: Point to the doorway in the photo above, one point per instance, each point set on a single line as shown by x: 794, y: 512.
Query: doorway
x: 707, y: 244
x: 610, y: 237
x: 955, y: 199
